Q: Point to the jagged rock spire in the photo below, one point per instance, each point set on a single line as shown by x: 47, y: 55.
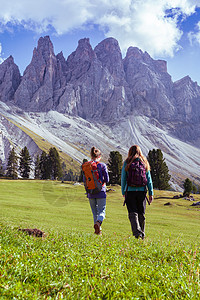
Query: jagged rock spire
x: 9, y: 79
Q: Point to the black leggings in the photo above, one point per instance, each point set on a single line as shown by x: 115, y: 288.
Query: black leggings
x: 136, y: 202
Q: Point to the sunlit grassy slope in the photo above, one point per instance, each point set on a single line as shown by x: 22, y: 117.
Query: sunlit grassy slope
x: 73, y: 263
x: 44, y: 145
x: 54, y: 206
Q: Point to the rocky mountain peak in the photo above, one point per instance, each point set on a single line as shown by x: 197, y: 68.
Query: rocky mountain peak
x: 9, y: 79
x: 109, y: 54
x: 39, y: 78
x: 84, y: 52
x: 84, y: 43
x: 186, y: 87
x: 44, y: 42
x: 43, y: 54
x: 187, y: 95
x: 135, y: 53
x: 61, y: 59
x: 9, y: 61
x: 108, y: 46
x: 183, y: 81
x: 60, y: 56
x: 138, y: 54
x: 45, y: 47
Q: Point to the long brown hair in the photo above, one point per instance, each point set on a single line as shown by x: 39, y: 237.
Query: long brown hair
x: 133, y: 153
x: 95, y: 153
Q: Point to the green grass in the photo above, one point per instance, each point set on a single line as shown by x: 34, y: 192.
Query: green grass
x: 73, y: 263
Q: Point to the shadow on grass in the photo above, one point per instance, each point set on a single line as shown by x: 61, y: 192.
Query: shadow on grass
x: 163, y: 198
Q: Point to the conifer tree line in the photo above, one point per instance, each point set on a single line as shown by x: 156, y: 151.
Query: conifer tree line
x: 47, y: 165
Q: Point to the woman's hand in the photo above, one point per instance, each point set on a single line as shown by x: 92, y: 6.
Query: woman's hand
x: 150, y: 199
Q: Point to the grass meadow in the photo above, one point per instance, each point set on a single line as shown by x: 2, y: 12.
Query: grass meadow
x: 73, y: 263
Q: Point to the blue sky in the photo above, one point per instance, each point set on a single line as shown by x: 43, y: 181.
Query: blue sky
x: 166, y: 29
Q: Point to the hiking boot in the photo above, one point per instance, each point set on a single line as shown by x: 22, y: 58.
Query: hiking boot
x: 140, y: 236
x: 97, y: 227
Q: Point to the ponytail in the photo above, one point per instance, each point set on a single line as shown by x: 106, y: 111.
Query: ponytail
x: 95, y: 153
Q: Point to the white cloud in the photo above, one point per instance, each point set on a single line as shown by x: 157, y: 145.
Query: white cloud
x: 141, y: 23
x: 1, y: 59
x: 194, y: 36
x: 147, y: 26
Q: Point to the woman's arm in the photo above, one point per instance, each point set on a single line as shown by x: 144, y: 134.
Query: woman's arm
x: 123, y: 179
x: 149, y: 183
x: 105, y: 173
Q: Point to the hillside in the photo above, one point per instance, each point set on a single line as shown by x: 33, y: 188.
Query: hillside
x: 74, y: 136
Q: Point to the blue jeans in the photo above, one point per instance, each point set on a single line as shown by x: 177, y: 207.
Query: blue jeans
x: 98, y: 207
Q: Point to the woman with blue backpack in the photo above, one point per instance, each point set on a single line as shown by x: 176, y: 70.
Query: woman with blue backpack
x: 135, y: 181
x: 95, y: 179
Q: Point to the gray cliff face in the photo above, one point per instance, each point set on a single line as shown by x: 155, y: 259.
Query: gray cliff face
x: 113, y: 84
x: 36, y: 90
x: 82, y: 72
x: 109, y: 54
x: 93, y: 86
x: 150, y: 84
x: 9, y: 79
x: 187, y: 95
x: 97, y: 84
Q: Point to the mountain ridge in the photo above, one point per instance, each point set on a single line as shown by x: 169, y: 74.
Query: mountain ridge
x: 108, y: 91
x: 100, y: 77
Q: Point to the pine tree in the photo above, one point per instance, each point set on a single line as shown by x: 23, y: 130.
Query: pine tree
x: 198, y: 189
x: 55, y: 163
x: 194, y: 188
x: 188, y: 186
x: 159, y: 170
x: 64, y: 170
x: 12, y: 165
x: 1, y: 170
x: 25, y: 163
x: 37, y: 173
x: 70, y: 176
x: 45, y: 171
x: 115, y: 167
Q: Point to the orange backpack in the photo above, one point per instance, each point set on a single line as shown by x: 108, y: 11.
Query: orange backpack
x: 93, y: 181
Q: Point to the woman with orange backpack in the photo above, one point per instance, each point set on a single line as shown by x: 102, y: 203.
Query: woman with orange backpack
x: 135, y: 180
x: 95, y: 177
